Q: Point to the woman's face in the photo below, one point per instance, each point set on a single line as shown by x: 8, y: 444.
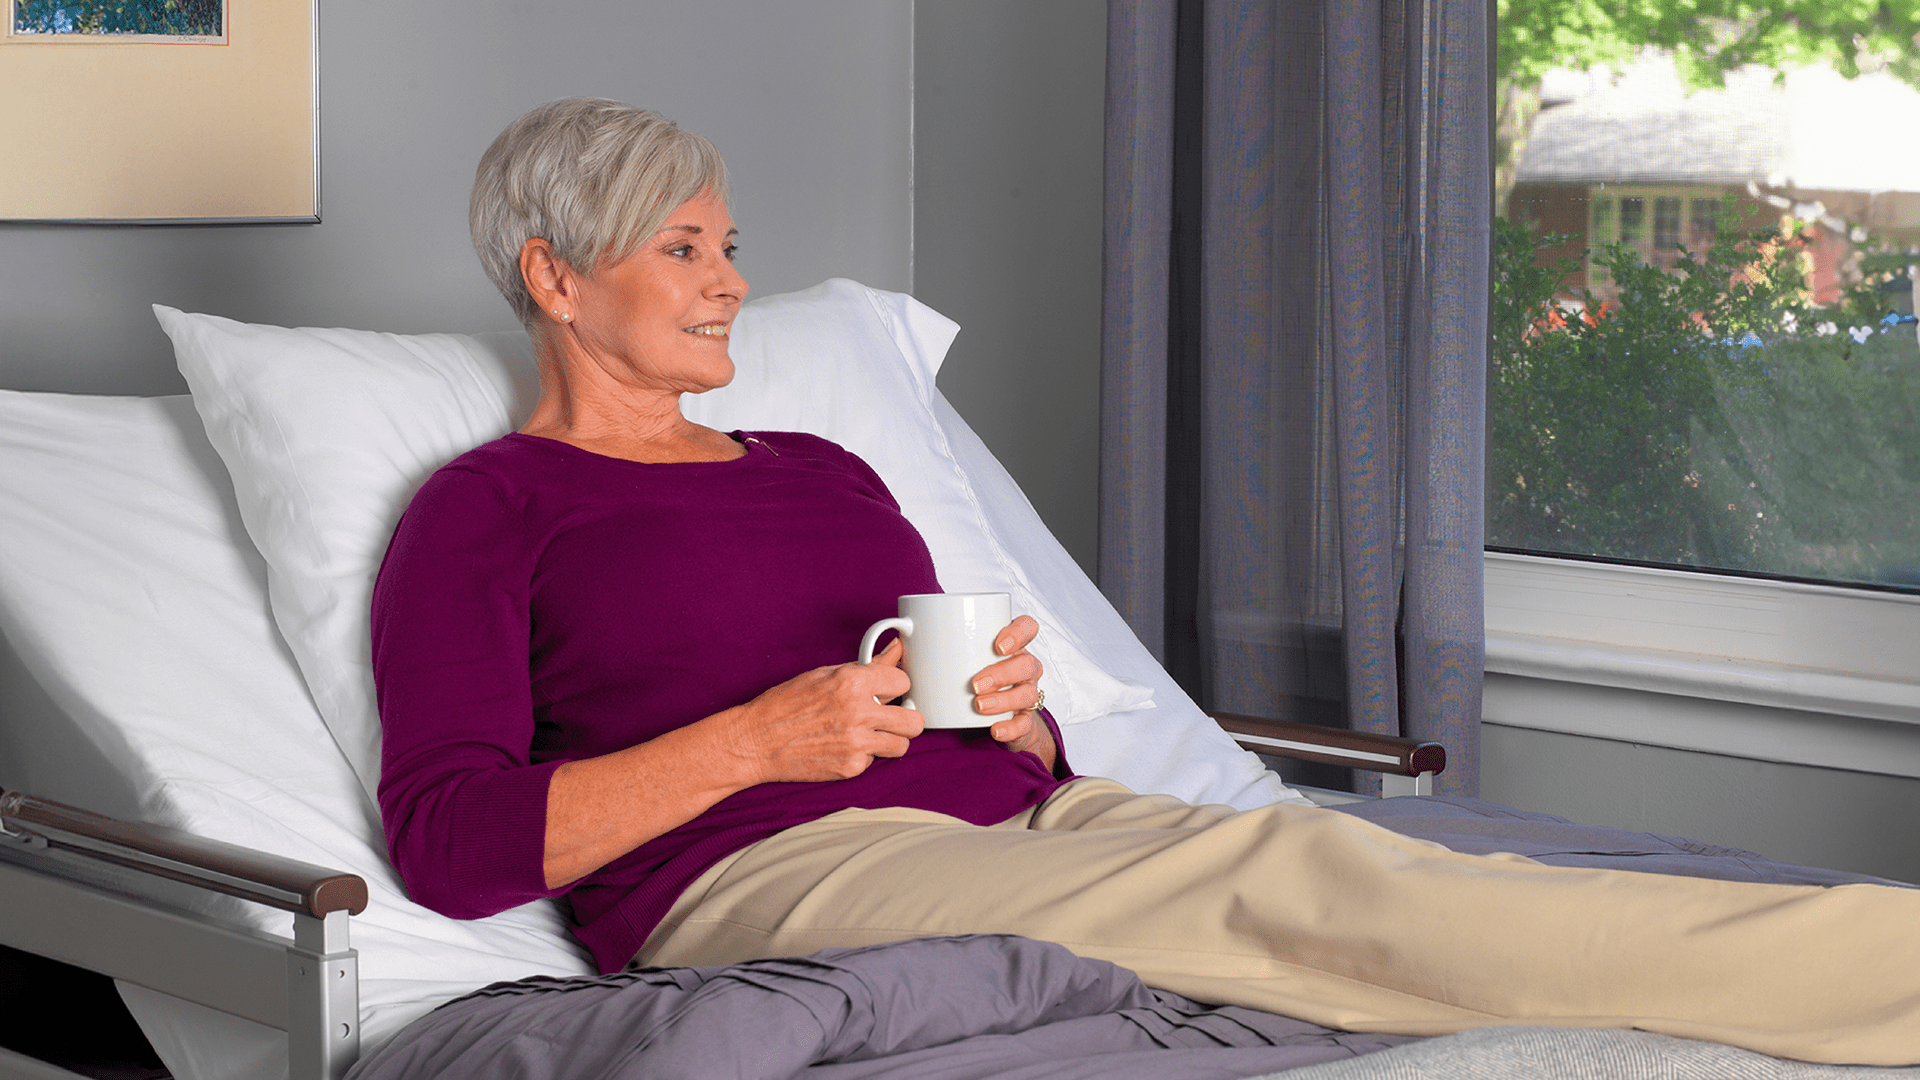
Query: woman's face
x: 659, y: 318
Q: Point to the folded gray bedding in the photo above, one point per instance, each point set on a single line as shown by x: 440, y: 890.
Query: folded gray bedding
x: 953, y: 1008
x: 995, y: 1006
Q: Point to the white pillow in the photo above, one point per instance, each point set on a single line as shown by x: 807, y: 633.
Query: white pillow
x: 327, y: 433
x: 133, y: 599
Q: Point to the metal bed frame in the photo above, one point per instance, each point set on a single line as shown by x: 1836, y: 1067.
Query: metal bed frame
x: 127, y: 900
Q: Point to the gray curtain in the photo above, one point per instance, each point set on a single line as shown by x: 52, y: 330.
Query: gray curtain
x: 1294, y: 339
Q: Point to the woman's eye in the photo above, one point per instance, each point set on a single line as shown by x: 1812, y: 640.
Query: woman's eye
x: 681, y: 252
x: 732, y: 250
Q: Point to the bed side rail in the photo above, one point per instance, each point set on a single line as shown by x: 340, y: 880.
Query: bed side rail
x: 1408, y: 765
x: 114, y: 897
x: 287, y: 884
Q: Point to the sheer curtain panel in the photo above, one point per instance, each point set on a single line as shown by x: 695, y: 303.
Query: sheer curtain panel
x: 1294, y: 348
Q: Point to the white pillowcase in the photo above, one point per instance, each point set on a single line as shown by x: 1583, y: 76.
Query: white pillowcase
x: 136, y: 604
x: 327, y: 434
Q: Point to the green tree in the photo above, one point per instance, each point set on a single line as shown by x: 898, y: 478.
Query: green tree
x: 1707, y: 38
x: 1650, y: 431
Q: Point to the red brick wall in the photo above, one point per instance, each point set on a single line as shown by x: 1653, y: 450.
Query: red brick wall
x: 1556, y: 209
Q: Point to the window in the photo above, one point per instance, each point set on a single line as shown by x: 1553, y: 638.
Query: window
x: 1657, y: 222
x: 1658, y: 420
x: 1704, y: 348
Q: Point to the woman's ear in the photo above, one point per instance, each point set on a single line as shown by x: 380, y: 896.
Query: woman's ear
x: 550, y: 281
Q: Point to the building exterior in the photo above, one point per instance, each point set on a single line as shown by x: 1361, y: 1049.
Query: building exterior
x: 1636, y: 158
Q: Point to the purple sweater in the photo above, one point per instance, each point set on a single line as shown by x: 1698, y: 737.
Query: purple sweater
x: 541, y: 603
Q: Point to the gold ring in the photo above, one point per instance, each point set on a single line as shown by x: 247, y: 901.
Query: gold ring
x: 1039, y: 698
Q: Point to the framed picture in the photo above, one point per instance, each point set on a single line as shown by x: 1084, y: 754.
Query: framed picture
x: 159, y: 111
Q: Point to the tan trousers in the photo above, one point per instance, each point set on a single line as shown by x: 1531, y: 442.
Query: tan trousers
x: 1325, y: 917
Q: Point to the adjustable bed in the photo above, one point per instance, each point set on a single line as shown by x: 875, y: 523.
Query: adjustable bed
x: 187, y: 747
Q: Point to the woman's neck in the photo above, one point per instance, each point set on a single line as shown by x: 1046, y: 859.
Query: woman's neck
x: 613, y: 420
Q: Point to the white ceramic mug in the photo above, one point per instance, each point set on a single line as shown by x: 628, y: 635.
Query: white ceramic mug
x: 949, y: 640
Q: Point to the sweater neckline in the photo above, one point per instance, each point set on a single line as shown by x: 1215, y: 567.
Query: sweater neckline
x: 755, y: 448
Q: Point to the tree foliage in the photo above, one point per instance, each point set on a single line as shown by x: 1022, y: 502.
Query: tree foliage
x: 1709, y: 417
x: 1708, y: 38
x: 1593, y: 414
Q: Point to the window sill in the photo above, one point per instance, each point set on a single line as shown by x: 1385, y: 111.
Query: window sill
x: 1774, y: 671
x: 1779, y: 686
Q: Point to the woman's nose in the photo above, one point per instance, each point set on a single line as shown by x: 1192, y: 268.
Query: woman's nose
x: 729, y: 282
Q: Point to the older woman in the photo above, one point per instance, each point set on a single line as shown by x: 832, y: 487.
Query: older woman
x: 610, y: 651
x: 610, y: 648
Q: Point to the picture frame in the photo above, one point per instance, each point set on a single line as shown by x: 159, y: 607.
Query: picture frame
x: 159, y: 111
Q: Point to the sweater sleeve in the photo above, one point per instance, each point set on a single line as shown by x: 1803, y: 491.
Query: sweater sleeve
x: 463, y: 806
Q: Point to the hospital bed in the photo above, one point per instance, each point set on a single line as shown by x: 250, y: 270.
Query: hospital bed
x: 187, y: 745
x: 152, y: 678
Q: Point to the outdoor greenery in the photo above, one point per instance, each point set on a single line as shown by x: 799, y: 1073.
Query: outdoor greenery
x: 172, y: 18
x: 1707, y: 414
x: 1707, y: 39
x: 1709, y: 417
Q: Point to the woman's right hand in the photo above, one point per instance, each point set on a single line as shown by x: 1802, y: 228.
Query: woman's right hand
x: 821, y: 725
x: 824, y: 724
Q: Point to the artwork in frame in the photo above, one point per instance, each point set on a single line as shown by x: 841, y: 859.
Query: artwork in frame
x: 159, y: 111
x: 183, y: 21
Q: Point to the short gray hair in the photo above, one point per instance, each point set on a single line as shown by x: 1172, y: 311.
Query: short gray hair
x: 593, y: 178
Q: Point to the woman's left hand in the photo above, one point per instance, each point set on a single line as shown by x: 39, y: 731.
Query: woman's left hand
x: 1013, y: 685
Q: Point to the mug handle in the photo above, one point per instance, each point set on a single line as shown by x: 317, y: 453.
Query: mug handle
x: 872, y: 636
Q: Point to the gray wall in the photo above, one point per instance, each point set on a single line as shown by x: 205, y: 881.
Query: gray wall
x: 1819, y: 817
x: 1008, y: 101
x: 811, y: 104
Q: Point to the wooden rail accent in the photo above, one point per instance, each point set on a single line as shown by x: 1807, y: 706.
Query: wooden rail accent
x: 287, y: 884
x: 1354, y: 749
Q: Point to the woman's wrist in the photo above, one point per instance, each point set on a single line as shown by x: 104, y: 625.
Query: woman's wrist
x: 728, y: 735
x: 1057, y: 763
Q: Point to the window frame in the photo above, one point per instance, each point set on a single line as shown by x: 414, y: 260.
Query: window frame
x: 1604, y: 200
x: 1804, y: 673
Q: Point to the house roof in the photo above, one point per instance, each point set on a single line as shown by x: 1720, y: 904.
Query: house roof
x: 1812, y: 131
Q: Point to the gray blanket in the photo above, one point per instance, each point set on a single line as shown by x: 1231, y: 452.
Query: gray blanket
x: 955, y: 1008
x: 994, y: 1006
